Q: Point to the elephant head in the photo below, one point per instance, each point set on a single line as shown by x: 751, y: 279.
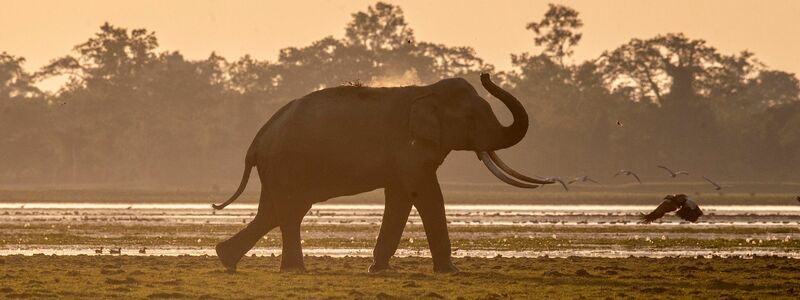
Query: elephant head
x: 453, y: 116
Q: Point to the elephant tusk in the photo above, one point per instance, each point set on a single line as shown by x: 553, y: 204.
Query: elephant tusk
x: 550, y: 180
x: 500, y: 175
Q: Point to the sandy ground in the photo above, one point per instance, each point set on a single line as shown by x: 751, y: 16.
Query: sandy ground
x: 200, y: 277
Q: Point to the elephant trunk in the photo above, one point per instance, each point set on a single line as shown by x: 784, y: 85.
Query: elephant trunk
x: 513, y: 133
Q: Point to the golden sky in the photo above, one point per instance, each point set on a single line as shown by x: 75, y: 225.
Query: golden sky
x: 43, y: 30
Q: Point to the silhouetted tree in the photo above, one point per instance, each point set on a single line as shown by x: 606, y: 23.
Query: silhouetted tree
x: 557, y: 32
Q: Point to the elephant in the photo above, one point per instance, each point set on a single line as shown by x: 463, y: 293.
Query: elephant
x: 348, y: 140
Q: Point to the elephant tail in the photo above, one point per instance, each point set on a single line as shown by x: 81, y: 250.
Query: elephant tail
x: 245, y: 178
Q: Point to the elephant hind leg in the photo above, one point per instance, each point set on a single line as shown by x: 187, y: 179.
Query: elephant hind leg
x: 292, y: 250
x: 231, y: 250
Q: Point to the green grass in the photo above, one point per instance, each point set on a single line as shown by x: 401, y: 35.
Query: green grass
x: 345, y: 278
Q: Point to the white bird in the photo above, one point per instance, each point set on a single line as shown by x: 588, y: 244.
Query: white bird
x: 716, y: 186
x: 674, y: 174
x: 582, y: 179
x: 687, y: 209
x: 628, y: 173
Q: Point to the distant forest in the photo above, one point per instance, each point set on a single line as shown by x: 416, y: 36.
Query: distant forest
x: 130, y: 112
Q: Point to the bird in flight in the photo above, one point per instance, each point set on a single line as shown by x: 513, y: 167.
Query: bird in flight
x: 556, y: 179
x: 687, y: 209
x: 619, y: 123
x: 628, y: 173
x: 582, y: 179
x: 716, y: 186
x: 674, y: 174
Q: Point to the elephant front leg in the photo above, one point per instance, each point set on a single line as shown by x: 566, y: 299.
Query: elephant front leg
x: 292, y: 252
x: 426, y: 195
x: 395, y: 216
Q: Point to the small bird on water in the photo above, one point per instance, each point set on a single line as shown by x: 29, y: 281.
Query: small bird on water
x: 99, y: 251
x: 115, y: 251
x: 687, y: 209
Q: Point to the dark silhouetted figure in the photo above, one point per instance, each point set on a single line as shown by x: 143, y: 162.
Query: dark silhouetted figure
x: 628, y: 173
x: 143, y: 250
x: 687, y: 209
x: 674, y: 174
x: 115, y: 251
x: 391, y: 138
x: 99, y: 251
x: 716, y: 186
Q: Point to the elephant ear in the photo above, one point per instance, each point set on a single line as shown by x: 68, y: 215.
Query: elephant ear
x: 423, y: 120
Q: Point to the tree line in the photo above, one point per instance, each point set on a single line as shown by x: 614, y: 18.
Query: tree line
x: 129, y: 112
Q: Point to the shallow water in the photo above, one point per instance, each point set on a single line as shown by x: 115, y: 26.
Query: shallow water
x: 348, y: 214
x: 789, y: 209
x: 365, y: 252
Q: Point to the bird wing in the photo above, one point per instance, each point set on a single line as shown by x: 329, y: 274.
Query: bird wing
x: 667, y: 169
x: 690, y: 211
x: 619, y: 172
x: 572, y: 181
x: 663, y: 208
x: 556, y: 179
x: 681, y: 173
x: 635, y: 176
x: 712, y: 182
x: 591, y: 180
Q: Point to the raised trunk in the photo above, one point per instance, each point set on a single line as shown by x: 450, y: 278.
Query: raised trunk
x: 513, y: 133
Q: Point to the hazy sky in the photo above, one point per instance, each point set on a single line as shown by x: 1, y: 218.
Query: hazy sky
x: 43, y: 30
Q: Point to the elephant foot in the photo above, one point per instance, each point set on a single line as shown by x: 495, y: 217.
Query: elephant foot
x: 447, y: 267
x: 376, y: 268
x: 228, y: 262
x: 293, y: 269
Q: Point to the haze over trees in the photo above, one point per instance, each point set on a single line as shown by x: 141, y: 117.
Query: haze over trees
x: 131, y: 112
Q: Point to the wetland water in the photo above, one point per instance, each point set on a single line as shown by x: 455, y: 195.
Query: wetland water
x: 590, y: 230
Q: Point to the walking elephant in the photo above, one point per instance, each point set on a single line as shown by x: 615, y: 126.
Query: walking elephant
x: 350, y: 139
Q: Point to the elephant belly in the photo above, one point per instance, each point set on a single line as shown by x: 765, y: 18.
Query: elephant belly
x: 325, y: 149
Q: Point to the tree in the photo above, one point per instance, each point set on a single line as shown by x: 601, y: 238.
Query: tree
x: 663, y: 69
x: 113, y: 56
x: 557, y: 32
x: 14, y: 81
x: 381, y: 27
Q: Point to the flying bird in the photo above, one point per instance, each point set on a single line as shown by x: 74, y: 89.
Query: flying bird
x: 716, y: 186
x: 674, y: 174
x: 628, y: 173
x: 556, y: 179
x: 619, y: 123
x: 687, y: 209
x: 582, y: 179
